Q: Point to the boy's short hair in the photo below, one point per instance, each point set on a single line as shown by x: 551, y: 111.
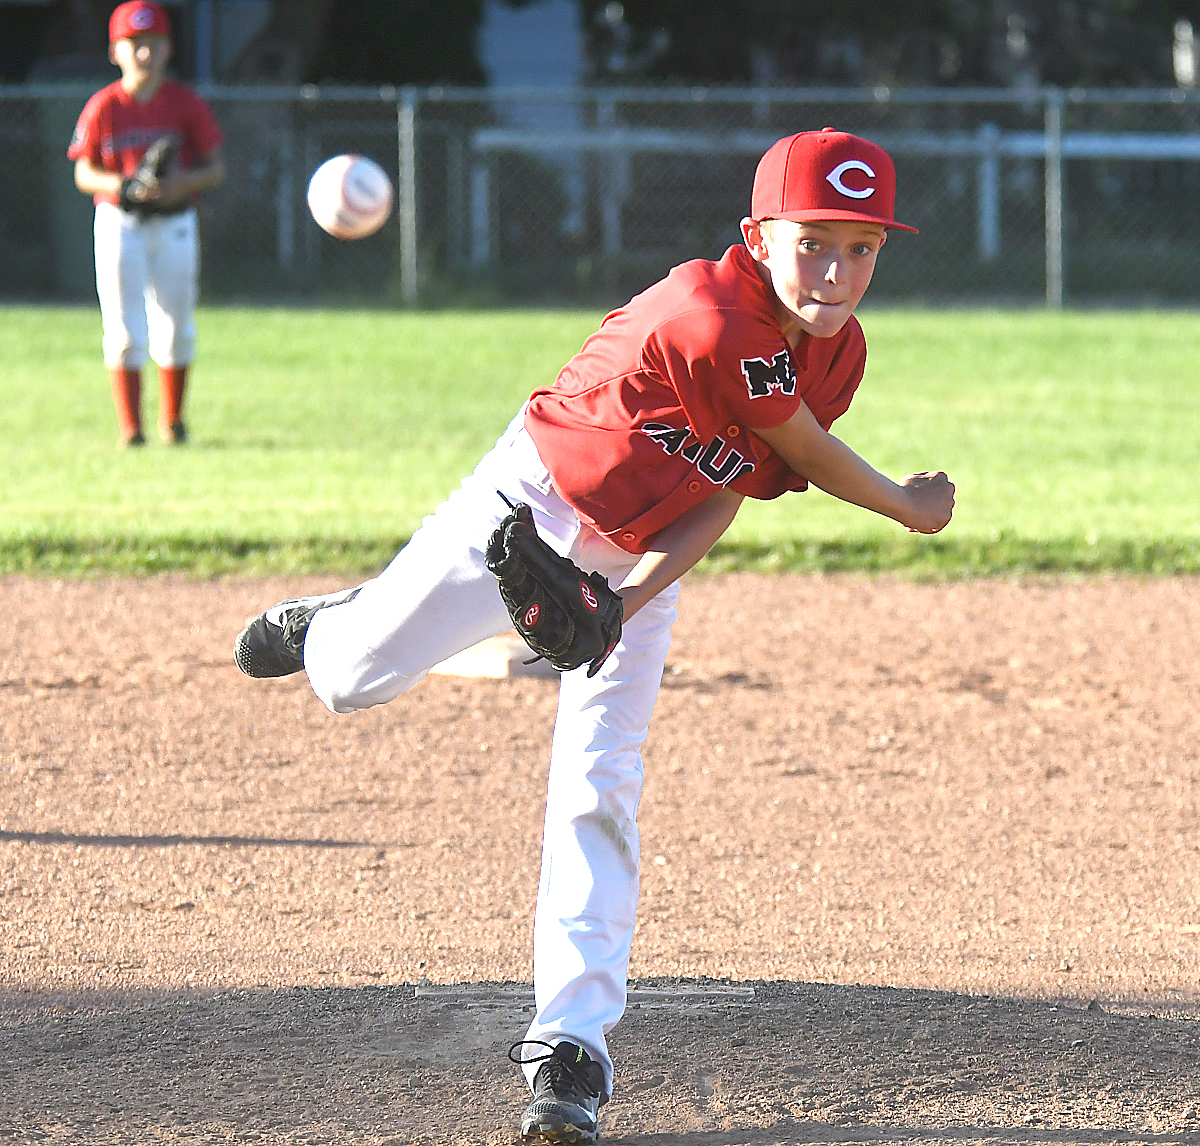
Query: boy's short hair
x: 138, y: 18
x: 826, y: 175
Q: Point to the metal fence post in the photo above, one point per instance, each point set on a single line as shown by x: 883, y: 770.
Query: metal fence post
x: 203, y: 21
x: 285, y: 195
x: 481, y: 213
x: 612, y: 189
x: 406, y: 116
x: 1055, y: 232
x: 455, y: 207
x: 311, y: 148
x: 988, y: 190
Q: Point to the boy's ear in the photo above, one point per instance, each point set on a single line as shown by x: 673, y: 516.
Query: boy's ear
x: 112, y: 56
x: 752, y: 236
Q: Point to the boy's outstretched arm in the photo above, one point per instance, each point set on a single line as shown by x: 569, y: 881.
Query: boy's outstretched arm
x: 922, y: 503
x: 675, y: 549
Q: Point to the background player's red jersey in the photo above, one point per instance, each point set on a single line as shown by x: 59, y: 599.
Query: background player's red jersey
x: 115, y: 129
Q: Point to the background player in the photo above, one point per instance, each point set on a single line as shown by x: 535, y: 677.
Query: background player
x: 718, y: 383
x: 147, y: 259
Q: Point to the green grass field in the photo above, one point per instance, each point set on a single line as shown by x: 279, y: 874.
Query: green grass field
x: 320, y: 438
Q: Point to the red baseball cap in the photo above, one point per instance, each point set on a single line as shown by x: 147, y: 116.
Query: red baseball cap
x: 826, y: 174
x: 138, y: 18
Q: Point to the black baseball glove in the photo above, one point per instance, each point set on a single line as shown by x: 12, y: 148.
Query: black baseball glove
x: 150, y: 170
x: 570, y: 617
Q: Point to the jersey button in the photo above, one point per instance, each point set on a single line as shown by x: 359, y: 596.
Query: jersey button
x: 694, y: 486
x: 733, y: 431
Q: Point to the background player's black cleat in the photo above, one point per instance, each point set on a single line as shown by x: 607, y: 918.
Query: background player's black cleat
x: 568, y: 1091
x: 272, y: 644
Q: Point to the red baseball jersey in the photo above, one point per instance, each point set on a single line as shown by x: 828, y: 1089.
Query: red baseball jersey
x: 114, y: 129
x: 657, y: 410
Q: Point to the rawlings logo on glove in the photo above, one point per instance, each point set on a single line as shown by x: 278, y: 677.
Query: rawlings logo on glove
x: 569, y: 617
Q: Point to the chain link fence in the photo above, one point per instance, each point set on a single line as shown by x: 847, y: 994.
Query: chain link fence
x: 587, y: 196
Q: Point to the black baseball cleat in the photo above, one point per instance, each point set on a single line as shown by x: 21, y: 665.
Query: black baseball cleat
x: 568, y: 1091
x: 272, y: 644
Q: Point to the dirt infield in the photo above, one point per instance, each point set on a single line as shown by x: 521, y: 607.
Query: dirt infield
x: 921, y: 864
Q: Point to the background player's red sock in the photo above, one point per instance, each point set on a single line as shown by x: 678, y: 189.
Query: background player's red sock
x: 127, y: 398
x: 171, y: 382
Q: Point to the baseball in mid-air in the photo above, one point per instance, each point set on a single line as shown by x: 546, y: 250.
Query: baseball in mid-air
x: 350, y: 196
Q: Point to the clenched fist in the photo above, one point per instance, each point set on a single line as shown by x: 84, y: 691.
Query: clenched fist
x: 931, y: 497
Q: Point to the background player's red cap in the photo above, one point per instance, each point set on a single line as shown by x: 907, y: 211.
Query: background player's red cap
x: 138, y: 18
x: 826, y: 174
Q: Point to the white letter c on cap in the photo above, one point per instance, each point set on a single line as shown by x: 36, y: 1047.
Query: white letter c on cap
x: 835, y: 177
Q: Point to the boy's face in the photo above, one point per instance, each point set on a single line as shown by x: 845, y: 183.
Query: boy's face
x: 818, y: 271
x: 142, y: 59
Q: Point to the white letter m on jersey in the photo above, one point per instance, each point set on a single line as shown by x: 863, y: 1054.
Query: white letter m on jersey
x: 762, y: 376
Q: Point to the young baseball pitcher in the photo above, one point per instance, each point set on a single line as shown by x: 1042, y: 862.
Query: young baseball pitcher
x: 718, y: 383
x: 144, y: 147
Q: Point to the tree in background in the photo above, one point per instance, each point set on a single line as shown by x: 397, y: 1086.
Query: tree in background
x: 302, y: 41
x: 400, y: 42
x: 984, y: 43
x: 981, y: 43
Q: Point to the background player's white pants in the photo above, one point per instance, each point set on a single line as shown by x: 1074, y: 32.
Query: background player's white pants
x: 147, y: 283
x: 437, y: 598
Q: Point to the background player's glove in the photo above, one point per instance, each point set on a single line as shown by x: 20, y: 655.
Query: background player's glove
x: 570, y: 617
x: 150, y: 170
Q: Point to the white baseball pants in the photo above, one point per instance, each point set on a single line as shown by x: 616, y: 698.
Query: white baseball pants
x: 437, y: 598
x: 147, y: 273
